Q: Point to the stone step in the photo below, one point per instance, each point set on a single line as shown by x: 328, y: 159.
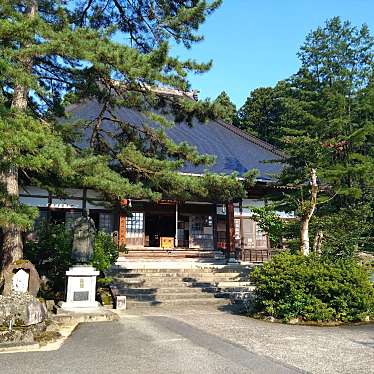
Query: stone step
x: 161, y: 291
x: 145, y: 287
x: 214, y: 270
x: 180, y: 274
x: 162, y: 255
x: 165, y: 280
x: 233, y: 284
x: 233, y: 294
x: 173, y: 284
x: 181, y: 287
x: 185, y: 287
x: 149, y: 284
x: 171, y: 296
x: 132, y: 304
x: 238, y: 289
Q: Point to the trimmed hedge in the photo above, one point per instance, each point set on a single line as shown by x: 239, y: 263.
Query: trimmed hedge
x: 313, y: 288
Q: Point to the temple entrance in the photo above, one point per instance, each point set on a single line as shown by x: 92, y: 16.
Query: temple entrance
x: 159, y: 230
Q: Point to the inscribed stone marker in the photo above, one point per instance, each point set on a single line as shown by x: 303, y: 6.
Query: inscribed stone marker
x: 21, y: 281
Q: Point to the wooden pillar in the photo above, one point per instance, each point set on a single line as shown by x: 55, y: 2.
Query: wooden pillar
x: 122, y: 224
x: 214, y: 222
x: 241, y: 231
x: 176, y: 225
x: 230, y: 230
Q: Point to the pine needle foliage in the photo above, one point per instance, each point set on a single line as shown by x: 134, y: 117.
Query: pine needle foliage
x: 55, y: 54
x: 74, y: 58
x: 322, y: 117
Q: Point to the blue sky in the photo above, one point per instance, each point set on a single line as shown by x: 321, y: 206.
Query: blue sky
x: 253, y: 43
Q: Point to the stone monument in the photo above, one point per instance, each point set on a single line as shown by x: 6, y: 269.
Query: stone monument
x: 21, y: 277
x: 81, y: 283
x: 18, y: 304
x: 21, y: 281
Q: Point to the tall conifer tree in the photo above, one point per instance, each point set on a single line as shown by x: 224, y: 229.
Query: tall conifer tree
x: 226, y: 107
x: 327, y: 125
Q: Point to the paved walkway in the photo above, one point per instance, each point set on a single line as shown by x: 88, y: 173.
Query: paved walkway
x: 200, y: 341
x: 345, y: 349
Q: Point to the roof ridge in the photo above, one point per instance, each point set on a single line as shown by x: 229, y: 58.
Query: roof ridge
x: 253, y: 139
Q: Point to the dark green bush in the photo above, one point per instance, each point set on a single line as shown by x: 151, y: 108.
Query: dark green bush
x: 51, y: 253
x: 313, y: 289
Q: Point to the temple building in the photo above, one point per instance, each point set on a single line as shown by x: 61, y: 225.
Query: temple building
x: 175, y: 228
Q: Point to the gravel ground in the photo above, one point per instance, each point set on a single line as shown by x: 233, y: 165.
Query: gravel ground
x: 344, y: 349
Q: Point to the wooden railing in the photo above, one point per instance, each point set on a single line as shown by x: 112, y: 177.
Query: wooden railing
x: 256, y: 255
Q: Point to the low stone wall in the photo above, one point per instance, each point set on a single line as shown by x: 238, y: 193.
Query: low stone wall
x: 22, y: 316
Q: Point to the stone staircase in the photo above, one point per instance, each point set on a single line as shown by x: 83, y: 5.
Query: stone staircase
x: 181, y: 286
x: 173, y: 253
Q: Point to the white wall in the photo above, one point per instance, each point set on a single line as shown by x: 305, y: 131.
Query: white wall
x: 38, y: 197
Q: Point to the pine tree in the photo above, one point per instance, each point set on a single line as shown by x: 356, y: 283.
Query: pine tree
x: 327, y: 126
x: 227, y: 109
x: 261, y: 113
x: 55, y: 53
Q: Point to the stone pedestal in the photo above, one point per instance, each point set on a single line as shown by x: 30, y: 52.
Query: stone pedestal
x: 81, y: 288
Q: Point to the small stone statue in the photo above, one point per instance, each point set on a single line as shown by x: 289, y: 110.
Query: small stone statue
x: 83, y: 239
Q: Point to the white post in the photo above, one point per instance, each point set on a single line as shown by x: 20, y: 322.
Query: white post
x: 176, y: 224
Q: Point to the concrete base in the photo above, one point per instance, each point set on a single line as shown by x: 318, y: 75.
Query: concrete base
x: 81, y: 288
x: 72, y: 307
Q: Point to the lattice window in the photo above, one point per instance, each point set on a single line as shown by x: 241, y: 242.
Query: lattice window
x: 237, y: 229
x: 135, y: 223
x: 260, y: 234
x: 201, y: 233
x: 106, y: 222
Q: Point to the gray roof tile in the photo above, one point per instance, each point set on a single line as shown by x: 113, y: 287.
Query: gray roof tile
x: 235, y: 151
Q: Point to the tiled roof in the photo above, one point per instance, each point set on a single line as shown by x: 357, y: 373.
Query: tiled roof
x: 234, y: 149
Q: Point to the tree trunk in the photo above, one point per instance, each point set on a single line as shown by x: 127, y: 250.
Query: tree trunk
x: 12, y: 243
x: 317, y: 246
x: 305, y: 219
x: 12, y: 240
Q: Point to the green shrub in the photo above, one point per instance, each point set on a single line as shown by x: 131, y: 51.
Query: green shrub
x: 51, y: 253
x: 105, y: 251
x: 269, y: 221
x: 313, y: 289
